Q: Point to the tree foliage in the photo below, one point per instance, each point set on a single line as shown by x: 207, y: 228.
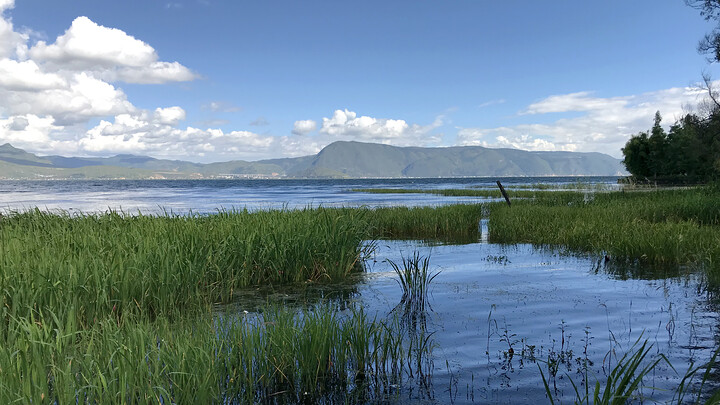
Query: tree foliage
x: 690, y: 151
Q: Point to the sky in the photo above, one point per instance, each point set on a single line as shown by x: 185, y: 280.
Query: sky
x: 212, y: 80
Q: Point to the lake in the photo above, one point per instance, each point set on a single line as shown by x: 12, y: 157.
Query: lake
x: 496, y: 315
x: 207, y: 196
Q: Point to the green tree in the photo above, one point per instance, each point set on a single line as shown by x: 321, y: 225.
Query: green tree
x: 657, y: 164
x: 636, y: 153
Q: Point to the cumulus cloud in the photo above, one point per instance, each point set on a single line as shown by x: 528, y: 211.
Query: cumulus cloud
x: 29, y: 131
x: 27, y: 76
x: 109, y: 53
x: 346, y: 125
x: 170, y: 115
x: 81, y: 98
x: 86, y: 44
x: 51, y: 91
x: 12, y: 43
x: 157, y: 134
x: 304, y: 127
x: 605, y: 125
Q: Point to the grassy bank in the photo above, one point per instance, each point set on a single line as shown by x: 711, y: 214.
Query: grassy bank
x: 118, y: 308
x: 89, y: 267
x: 451, y: 223
x: 655, y: 226
x: 661, y: 227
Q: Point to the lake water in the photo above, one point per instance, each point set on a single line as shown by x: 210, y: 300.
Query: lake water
x: 558, y: 312
x: 207, y: 196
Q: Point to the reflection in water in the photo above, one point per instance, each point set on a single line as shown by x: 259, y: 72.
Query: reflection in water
x: 498, y: 314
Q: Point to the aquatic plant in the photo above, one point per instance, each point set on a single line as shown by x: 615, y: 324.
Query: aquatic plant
x: 275, y: 355
x: 89, y: 267
x: 665, y: 226
x: 414, y: 277
x: 454, y: 223
x: 623, y: 383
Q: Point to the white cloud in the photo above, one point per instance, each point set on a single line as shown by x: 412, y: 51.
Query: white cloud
x: 86, y: 44
x: 49, y: 93
x: 580, y: 101
x: 605, y: 127
x: 158, y: 135
x: 170, y: 115
x: 304, y: 127
x: 346, y: 125
x: 82, y: 98
x: 27, y: 76
x: 491, y: 102
x: 155, y: 73
x: 109, y: 53
x: 11, y: 42
x: 28, y: 131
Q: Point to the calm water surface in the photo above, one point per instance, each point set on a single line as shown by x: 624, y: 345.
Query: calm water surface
x: 206, y: 196
x: 550, y: 308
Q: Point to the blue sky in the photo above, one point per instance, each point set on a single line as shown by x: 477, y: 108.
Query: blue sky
x: 210, y: 80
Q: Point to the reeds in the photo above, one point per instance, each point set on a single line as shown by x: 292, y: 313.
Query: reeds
x: 456, y: 223
x: 414, y: 277
x: 278, y: 355
x: 670, y: 226
x: 113, y: 264
x: 116, y: 308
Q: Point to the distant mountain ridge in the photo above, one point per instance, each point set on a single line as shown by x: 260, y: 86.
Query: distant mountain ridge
x: 342, y: 159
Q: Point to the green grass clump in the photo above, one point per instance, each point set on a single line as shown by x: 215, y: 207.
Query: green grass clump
x: 414, y: 277
x: 282, y: 355
x: 668, y: 226
x: 450, y: 222
x: 88, y: 267
x: 115, y: 308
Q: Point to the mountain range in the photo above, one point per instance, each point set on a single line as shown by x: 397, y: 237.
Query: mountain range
x: 338, y: 160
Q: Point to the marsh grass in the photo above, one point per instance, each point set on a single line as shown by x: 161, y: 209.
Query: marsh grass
x: 414, y: 277
x: 452, y: 223
x: 577, y: 185
x: 89, y: 267
x: 117, y: 308
x: 277, y: 355
x: 660, y: 227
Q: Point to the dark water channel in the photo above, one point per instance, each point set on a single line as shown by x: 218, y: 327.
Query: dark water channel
x: 555, y: 311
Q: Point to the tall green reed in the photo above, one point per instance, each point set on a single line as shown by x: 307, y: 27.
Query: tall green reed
x: 112, y: 264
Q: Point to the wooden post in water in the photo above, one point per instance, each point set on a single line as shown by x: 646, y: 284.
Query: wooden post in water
x: 502, y: 190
